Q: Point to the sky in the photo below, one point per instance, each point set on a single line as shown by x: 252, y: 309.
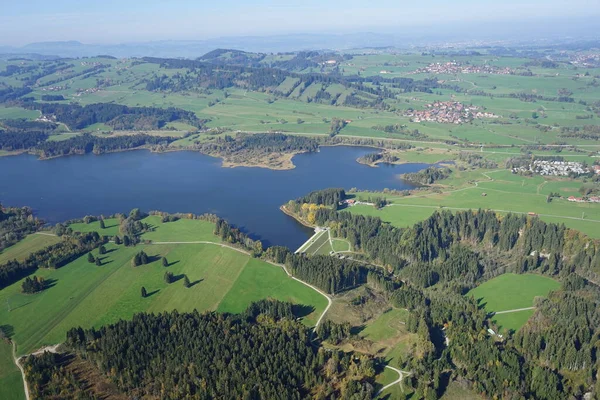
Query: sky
x: 126, y: 21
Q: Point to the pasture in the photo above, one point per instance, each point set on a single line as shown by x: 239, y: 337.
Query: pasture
x: 83, y: 294
x: 23, y: 248
x: 11, y: 383
x: 511, y: 292
x: 497, y: 190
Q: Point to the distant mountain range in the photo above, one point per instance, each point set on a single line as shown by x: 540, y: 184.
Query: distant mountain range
x: 196, y: 48
x: 476, y: 33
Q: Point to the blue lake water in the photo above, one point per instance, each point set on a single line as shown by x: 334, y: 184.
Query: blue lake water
x: 72, y: 187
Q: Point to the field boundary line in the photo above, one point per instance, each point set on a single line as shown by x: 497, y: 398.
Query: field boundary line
x: 514, y: 310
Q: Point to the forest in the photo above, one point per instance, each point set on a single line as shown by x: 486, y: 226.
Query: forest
x: 428, y: 176
x: 203, y: 356
x: 117, y: 116
x: 86, y: 143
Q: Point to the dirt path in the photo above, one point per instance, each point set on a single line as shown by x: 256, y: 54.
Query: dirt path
x: 401, y: 375
x: 51, y: 349
x: 515, y: 310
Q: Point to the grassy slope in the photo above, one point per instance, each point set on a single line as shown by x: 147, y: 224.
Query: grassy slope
x: 30, y: 244
x: 512, y: 291
x: 260, y: 280
x: 88, y: 295
x: 11, y: 384
x: 506, y: 192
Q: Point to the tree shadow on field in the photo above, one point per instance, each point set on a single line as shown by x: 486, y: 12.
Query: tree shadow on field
x: 49, y: 282
x: 480, y: 304
x: 194, y: 283
x: 153, y: 258
x: 177, y: 278
x: 301, y: 310
x: 7, y: 331
x: 108, y: 251
x: 102, y: 261
x: 152, y: 293
x: 172, y: 263
x: 355, y: 330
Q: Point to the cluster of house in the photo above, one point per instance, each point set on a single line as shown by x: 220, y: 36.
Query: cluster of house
x: 592, y: 199
x: 554, y: 168
x: 53, y: 88
x: 448, y: 112
x: 81, y: 91
x: 90, y: 64
x: 453, y: 67
x: 586, y: 60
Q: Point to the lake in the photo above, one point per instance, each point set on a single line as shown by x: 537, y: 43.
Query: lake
x: 72, y: 187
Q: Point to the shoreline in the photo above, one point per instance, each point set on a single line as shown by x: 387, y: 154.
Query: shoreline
x: 286, y: 212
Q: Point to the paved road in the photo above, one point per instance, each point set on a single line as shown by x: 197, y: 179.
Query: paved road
x: 515, y: 310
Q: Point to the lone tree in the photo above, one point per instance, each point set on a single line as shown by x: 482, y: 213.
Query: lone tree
x: 98, y: 262
x: 136, y: 260
x: 91, y: 258
x: 144, y: 293
x: 126, y: 240
x: 102, y: 249
x: 118, y: 240
x: 186, y: 281
x: 102, y: 226
x: 168, y: 277
x: 165, y: 262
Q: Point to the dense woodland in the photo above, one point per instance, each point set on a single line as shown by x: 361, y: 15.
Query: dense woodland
x: 436, y: 261
x: 428, y: 176
x: 117, y: 116
x: 244, y: 146
x: 260, y: 354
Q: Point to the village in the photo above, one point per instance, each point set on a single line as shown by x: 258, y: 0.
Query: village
x: 554, y: 168
x: 453, y: 67
x: 448, y: 112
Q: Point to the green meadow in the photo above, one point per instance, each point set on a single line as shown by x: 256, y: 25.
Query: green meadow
x: 11, y: 382
x: 30, y: 244
x: 498, y: 190
x: 510, y: 292
x: 83, y: 294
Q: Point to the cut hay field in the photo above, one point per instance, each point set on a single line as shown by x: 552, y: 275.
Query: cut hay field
x: 510, y: 292
x: 83, y: 294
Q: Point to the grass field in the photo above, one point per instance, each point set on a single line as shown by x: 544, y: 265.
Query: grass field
x: 30, y: 244
x: 504, y: 192
x: 510, y: 292
x: 386, y: 326
x: 11, y: 383
x: 89, y: 295
x: 314, y: 243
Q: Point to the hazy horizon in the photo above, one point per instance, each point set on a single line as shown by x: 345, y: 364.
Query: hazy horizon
x: 112, y: 22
